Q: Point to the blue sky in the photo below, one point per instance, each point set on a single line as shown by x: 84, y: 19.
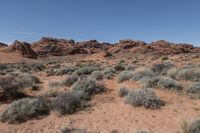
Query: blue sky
x: 104, y: 20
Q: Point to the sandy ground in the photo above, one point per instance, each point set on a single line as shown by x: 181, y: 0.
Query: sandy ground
x: 108, y: 112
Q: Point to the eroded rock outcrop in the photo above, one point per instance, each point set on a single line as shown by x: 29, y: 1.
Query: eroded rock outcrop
x: 24, y: 49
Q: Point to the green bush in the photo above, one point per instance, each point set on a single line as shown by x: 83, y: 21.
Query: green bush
x: 67, y: 103
x: 144, y: 97
x: 25, y: 109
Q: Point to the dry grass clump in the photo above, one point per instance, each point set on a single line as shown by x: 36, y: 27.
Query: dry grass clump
x: 144, y: 97
x: 25, y: 109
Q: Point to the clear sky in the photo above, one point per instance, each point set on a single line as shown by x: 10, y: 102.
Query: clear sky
x: 104, y: 20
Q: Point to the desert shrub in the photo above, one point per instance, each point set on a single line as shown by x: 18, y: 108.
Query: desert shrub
x: 125, y: 75
x: 149, y: 82
x: 122, y: 92
x: 25, y: 109
x: 168, y: 83
x: 10, y: 88
x: 172, y: 73
x: 70, y: 80
x: 72, y: 130
x: 120, y: 66
x: 97, y: 75
x: 67, y: 103
x: 140, y: 73
x: 193, y: 127
x: 54, y: 84
x: 144, y: 97
x: 131, y: 67
x: 162, y: 82
x: 87, y: 87
x: 194, y: 88
x: 141, y: 131
x: 164, y: 58
x: 51, y: 71
x: 188, y: 73
x: 27, y: 80
x: 108, y: 72
x: 38, y: 67
x: 162, y: 68
x: 85, y: 70
x: 65, y: 71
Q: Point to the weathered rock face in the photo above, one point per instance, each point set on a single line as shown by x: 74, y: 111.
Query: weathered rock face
x: 166, y: 48
x: 93, y: 46
x: 61, y: 47
x: 159, y: 47
x: 55, y: 47
x: 126, y: 45
x: 3, y: 45
x: 24, y: 48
